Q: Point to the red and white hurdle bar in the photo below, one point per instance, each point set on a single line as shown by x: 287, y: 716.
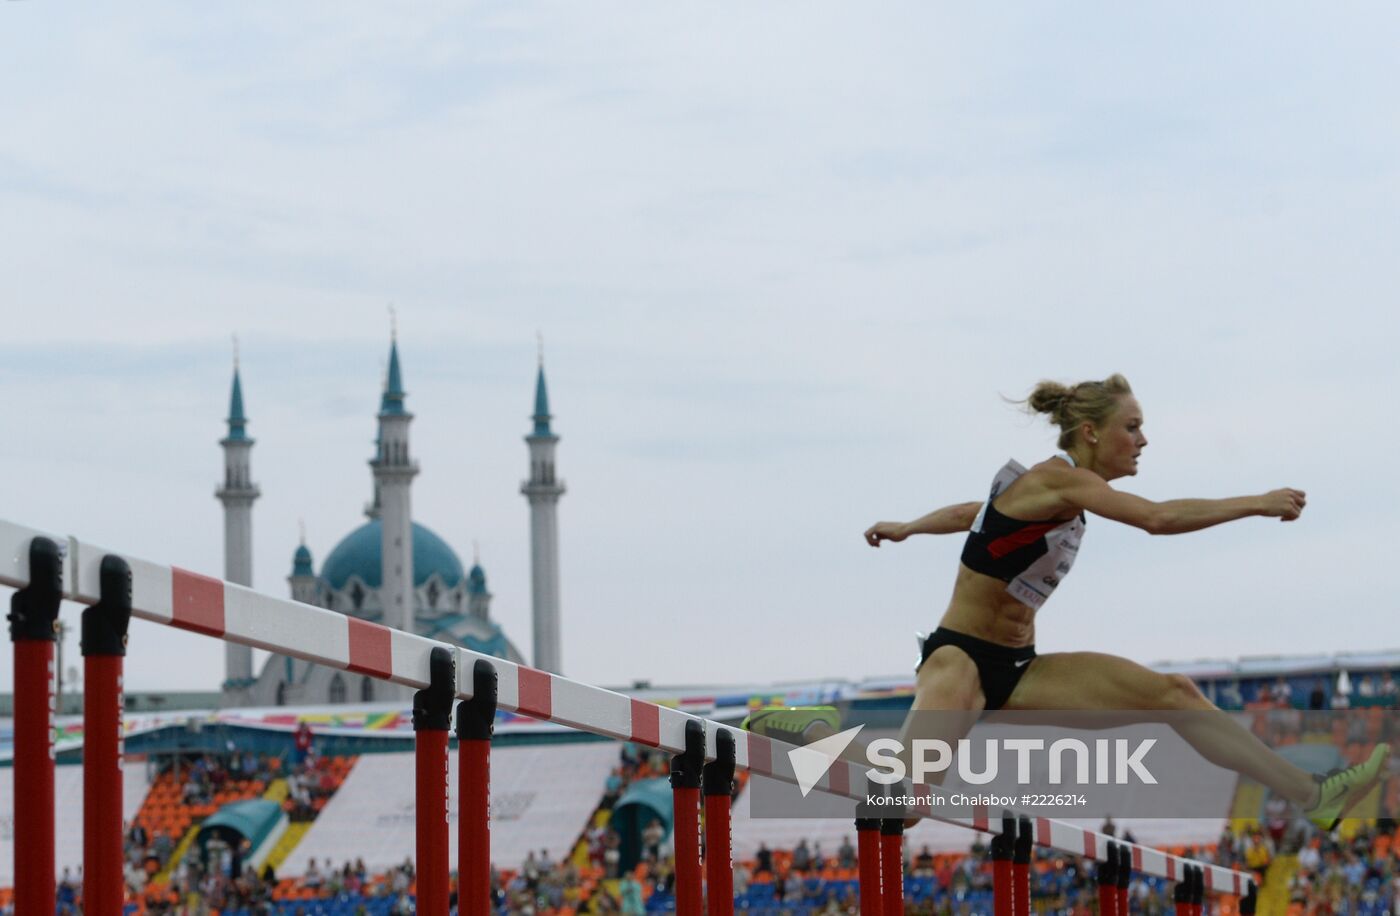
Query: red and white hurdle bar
x: 47, y: 569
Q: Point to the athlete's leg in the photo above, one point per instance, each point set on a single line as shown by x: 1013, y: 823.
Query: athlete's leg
x: 1095, y: 681
x: 947, y: 683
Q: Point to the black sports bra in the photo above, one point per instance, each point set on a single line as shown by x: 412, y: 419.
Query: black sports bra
x: 1031, y: 557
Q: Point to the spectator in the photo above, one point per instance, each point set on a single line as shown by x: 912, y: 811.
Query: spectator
x: 846, y: 854
x: 302, y: 740
x: 67, y: 893
x: 612, y: 789
x: 1388, y: 692
x: 802, y: 857
x: 630, y: 896
x: 313, y: 877
x: 652, y: 837
x: 612, y: 853
x: 1340, y: 700
x: 1317, y: 699
x: 763, y: 859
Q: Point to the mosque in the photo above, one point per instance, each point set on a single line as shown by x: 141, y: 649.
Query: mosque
x: 391, y: 570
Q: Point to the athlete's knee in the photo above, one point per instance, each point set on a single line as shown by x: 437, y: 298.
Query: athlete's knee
x: 1180, y: 692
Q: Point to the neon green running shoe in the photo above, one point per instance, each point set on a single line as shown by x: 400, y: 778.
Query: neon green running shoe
x: 1339, y: 793
x: 797, y: 725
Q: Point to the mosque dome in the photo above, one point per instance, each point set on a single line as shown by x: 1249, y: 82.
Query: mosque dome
x: 359, y: 554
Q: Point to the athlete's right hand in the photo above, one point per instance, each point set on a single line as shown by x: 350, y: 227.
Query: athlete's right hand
x: 885, y: 531
x: 1284, y: 504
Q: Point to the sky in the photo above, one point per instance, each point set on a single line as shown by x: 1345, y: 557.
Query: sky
x: 789, y: 262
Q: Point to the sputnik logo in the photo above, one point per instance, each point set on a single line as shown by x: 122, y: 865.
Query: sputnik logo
x: 810, y: 762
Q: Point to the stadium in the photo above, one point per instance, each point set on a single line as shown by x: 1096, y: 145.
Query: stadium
x: 306, y: 810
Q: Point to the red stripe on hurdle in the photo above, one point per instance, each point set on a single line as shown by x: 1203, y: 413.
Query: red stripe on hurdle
x: 536, y: 694
x: 197, y: 602
x: 839, y: 777
x: 369, y: 648
x: 924, y: 793
x: 1137, y: 858
x: 1091, y: 846
x: 1042, y: 831
x: 760, y: 754
x: 646, y: 723
x: 979, y: 818
x: 1171, y: 868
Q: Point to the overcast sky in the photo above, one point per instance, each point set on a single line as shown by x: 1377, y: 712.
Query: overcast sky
x: 787, y: 258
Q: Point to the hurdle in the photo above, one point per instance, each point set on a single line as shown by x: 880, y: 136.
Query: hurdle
x: 46, y: 569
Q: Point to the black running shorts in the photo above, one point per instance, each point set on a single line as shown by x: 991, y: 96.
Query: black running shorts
x: 998, y: 667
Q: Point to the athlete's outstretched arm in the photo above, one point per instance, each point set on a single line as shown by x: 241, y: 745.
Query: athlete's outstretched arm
x: 948, y: 520
x: 1083, y: 489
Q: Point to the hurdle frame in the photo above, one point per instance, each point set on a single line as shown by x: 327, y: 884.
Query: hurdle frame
x: 443, y: 673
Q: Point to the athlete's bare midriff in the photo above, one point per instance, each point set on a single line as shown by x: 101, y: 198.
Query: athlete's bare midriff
x: 981, y: 607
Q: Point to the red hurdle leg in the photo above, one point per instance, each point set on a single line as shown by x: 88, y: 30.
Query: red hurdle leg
x: 1108, y: 883
x: 33, y: 615
x: 868, y: 849
x: 1021, y: 868
x: 718, y: 783
x: 1002, y: 892
x: 475, y: 722
x: 686, y: 771
x: 104, y: 650
x: 1125, y: 877
x: 892, y: 866
x: 432, y: 714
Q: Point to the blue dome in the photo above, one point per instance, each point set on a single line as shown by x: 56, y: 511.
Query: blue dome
x: 359, y: 554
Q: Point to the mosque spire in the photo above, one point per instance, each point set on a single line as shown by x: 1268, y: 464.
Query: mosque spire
x: 392, y: 402
x: 542, y: 415
x: 542, y: 490
x: 237, y: 495
x: 394, y: 470
x: 237, y: 422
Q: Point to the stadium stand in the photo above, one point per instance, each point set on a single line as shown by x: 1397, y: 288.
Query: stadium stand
x: 68, y: 786
x: 541, y: 798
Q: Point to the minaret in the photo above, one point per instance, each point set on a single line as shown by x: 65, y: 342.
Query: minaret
x: 543, y: 492
x: 394, y: 470
x: 303, y: 577
x: 478, y: 596
x: 237, y: 495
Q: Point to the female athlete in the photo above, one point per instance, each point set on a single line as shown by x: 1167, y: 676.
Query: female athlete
x: 1021, y: 542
